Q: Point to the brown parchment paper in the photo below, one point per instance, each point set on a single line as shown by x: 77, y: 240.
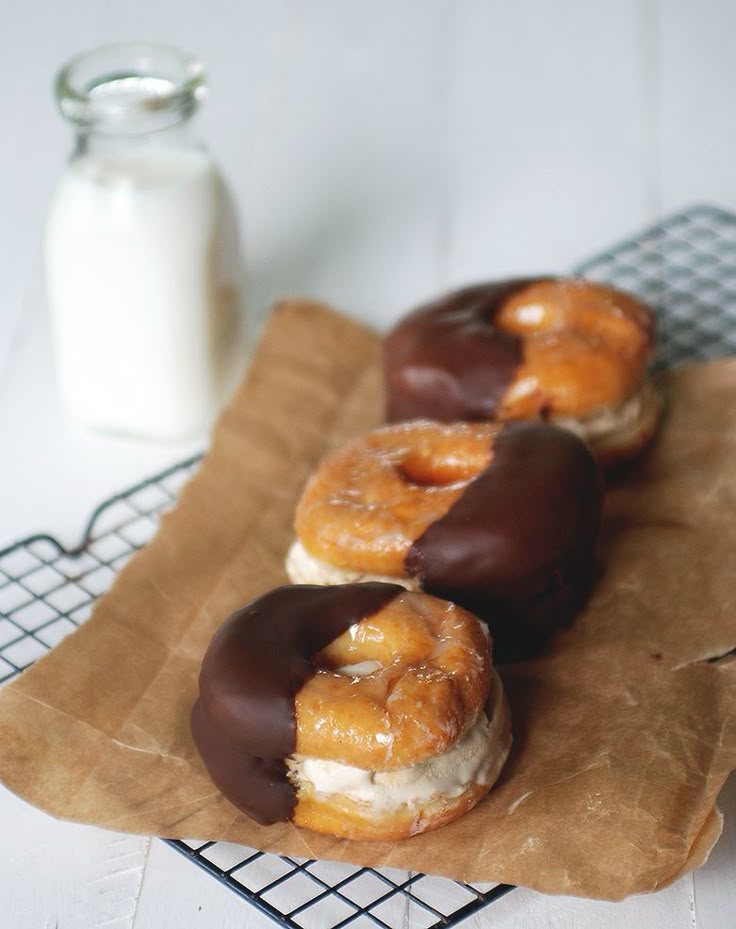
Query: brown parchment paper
x: 624, y: 733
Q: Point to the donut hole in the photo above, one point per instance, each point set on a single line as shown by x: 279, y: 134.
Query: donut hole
x: 359, y: 669
x: 424, y: 467
x: 351, y: 666
x: 382, y: 643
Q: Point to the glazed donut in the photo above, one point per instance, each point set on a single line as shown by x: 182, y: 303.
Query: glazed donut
x: 362, y: 710
x: 562, y: 350
x: 500, y: 519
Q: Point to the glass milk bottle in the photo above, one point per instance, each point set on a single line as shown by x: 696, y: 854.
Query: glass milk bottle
x: 141, y: 252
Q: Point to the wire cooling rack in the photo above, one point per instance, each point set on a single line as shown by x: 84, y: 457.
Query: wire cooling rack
x: 684, y: 266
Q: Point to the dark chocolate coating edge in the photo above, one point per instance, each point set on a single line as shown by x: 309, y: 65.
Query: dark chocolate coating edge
x: 447, y: 360
x: 244, y: 723
x: 517, y: 548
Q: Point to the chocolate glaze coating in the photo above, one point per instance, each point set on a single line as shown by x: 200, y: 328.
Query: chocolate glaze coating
x: 244, y: 723
x: 517, y: 547
x: 447, y: 360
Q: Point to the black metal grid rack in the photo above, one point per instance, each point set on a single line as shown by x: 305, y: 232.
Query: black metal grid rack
x: 684, y: 266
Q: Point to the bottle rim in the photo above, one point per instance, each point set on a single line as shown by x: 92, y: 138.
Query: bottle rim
x: 130, y: 87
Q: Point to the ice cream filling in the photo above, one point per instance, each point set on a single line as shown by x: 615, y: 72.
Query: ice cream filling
x: 304, y: 568
x: 469, y: 761
x: 476, y: 758
x: 608, y: 421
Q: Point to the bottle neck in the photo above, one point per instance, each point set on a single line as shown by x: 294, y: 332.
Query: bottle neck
x: 131, y: 96
x: 183, y: 135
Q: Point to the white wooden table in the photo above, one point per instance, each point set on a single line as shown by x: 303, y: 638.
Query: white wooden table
x: 378, y: 153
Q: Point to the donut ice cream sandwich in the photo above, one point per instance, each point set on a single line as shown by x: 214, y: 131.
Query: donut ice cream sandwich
x: 363, y: 711
x: 561, y: 350
x: 501, y: 519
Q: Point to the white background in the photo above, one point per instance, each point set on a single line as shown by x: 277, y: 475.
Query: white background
x: 378, y: 152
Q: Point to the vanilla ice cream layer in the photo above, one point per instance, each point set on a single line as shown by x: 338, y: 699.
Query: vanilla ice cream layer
x: 304, y: 568
x: 475, y: 759
x: 610, y: 421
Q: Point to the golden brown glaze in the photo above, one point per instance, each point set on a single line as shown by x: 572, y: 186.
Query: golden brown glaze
x: 431, y: 682
x: 585, y: 346
x: 369, y: 501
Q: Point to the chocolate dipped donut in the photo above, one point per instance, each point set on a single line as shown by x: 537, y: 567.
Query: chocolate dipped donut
x: 500, y: 519
x: 362, y: 711
x: 561, y: 350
